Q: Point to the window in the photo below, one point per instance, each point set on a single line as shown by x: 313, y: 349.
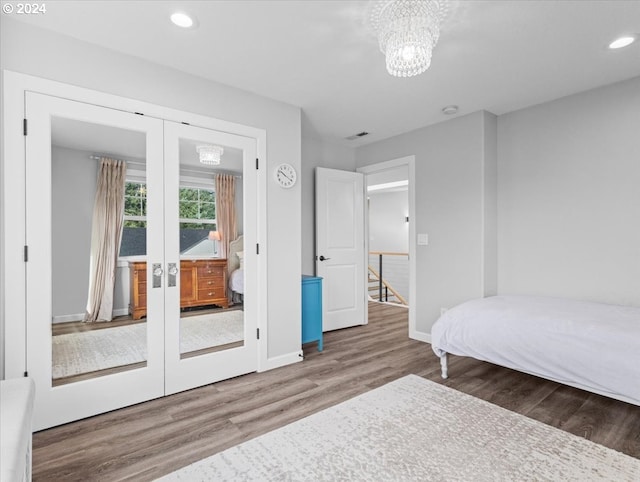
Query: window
x: 197, y: 211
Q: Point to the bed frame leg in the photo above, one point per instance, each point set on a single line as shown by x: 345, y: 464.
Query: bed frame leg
x: 443, y: 365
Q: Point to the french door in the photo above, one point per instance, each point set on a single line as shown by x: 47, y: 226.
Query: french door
x: 82, y: 369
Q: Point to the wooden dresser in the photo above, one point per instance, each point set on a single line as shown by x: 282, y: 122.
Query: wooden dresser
x: 203, y: 282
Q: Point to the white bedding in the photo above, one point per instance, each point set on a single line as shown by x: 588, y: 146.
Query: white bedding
x: 589, y: 345
x: 236, y: 281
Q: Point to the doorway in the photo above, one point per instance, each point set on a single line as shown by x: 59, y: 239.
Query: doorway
x: 177, y: 259
x: 390, y: 238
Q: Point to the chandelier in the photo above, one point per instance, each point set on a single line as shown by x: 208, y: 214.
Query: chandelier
x: 210, y: 155
x: 407, y: 31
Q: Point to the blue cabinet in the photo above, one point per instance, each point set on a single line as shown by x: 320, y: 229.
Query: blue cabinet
x: 312, y: 310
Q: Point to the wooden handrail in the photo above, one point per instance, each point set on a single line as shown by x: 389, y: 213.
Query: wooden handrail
x: 388, y: 253
x: 388, y: 286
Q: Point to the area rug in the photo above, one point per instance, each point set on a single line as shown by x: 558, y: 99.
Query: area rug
x: 103, y: 348
x: 414, y: 429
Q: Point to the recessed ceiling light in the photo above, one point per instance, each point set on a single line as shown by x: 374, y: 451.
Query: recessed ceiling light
x: 182, y: 20
x: 450, y: 109
x: 621, y: 42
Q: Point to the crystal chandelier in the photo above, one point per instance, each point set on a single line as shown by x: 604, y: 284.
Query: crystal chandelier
x: 408, y: 30
x: 210, y: 155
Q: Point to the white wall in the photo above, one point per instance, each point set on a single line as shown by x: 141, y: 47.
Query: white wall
x: 316, y: 153
x: 73, y: 191
x: 449, y: 186
x: 569, y: 197
x: 388, y: 228
x: 34, y: 51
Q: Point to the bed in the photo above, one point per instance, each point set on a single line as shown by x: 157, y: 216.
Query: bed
x: 592, y: 346
x: 235, y: 263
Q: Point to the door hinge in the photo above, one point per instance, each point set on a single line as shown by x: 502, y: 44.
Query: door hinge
x: 258, y: 333
x: 257, y: 248
x: 24, y: 127
x: 138, y: 113
x: 26, y: 374
x: 186, y: 123
x: 257, y: 163
x: 26, y: 254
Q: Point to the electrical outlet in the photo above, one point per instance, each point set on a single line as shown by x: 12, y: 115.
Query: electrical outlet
x: 443, y: 310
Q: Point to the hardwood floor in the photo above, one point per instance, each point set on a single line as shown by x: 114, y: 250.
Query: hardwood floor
x: 151, y: 439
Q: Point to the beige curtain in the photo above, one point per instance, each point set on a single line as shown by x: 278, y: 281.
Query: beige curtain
x: 226, y: 211
x: 106, y: 233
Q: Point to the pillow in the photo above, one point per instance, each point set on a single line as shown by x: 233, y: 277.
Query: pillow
x: 240, y: 255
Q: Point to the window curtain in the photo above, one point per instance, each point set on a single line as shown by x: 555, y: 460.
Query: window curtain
x: 106, y: 234
x: 226, y: 211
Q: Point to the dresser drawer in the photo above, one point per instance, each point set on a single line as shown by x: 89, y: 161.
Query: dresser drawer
x: 210, y: 294
x: 142, y: 288
x: 141, y: 274
x: 208, y: 271
x: 141, y: 301
x: 210, y: 283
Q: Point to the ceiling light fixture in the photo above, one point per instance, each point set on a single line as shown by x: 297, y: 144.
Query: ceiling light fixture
x: 407, y: 31
x: 450, y: 110
x: 210, y: 155
x: 621, y: 42
x: 182, y: 20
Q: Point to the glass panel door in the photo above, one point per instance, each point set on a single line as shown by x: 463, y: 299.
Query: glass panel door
x: 94, y: 321
x: 210, y: 310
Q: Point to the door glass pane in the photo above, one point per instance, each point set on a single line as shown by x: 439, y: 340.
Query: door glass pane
x: 98, y: 254
x: 211, y: 314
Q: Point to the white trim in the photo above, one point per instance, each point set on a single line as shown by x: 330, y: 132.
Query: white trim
x: 14, y: 296
x: 410, y: 162
x: 420, y: 336
x: 80, y: 316
x: 282, y: 360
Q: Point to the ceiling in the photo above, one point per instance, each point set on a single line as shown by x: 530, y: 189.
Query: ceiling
x: 320, y: 55
x: 104, y: 140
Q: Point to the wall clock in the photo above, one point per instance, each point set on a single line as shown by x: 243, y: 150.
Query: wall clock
x: 285, y: 175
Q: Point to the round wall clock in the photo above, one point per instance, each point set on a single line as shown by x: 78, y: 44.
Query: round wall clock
x: 285, y: 175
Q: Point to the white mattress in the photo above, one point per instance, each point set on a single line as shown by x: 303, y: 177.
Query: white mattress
x: 590, y: 345
x: 236, y: 281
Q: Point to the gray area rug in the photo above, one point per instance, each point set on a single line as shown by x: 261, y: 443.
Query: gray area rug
x: 89, y: 351
x: 414, y: 429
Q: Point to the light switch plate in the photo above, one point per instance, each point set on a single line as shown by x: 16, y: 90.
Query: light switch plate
x: 423, y: 239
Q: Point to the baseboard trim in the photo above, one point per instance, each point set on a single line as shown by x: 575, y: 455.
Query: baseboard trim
x: 80, y: 316
x: 282, y: 360
x: 420, y: 336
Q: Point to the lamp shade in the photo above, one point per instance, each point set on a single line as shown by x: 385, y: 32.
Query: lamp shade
x: 214, y: 236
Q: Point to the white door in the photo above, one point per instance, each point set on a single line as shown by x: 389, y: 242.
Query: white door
x: 155, y: 345
x: 340, y: 247
x: 221, y: 342
x: 77, y: 373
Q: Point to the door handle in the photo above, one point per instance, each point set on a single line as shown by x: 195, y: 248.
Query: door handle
x: 157, y: 275
x: 173, y: 271
x: 322, y: 258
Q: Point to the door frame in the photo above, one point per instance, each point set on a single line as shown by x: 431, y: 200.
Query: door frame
x: 410, y: 162
x: 13, y: 291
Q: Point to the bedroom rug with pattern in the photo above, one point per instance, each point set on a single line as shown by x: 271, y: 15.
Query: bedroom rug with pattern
x: 89, y: 351
x: 414, y: 429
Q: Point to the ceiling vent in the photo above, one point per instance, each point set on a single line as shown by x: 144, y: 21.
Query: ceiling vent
x: 356, y: 136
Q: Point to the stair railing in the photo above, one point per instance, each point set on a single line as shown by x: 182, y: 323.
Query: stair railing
x: 382, y: 283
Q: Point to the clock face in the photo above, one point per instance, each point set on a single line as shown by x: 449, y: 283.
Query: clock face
x: 286, y: 175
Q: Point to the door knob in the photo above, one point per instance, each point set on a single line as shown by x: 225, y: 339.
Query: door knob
x: 322, y: 258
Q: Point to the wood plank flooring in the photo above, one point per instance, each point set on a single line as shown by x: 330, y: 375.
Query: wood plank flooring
x: 151, y: 439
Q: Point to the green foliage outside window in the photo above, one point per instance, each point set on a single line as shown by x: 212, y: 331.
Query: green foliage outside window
x: 195, y: 204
